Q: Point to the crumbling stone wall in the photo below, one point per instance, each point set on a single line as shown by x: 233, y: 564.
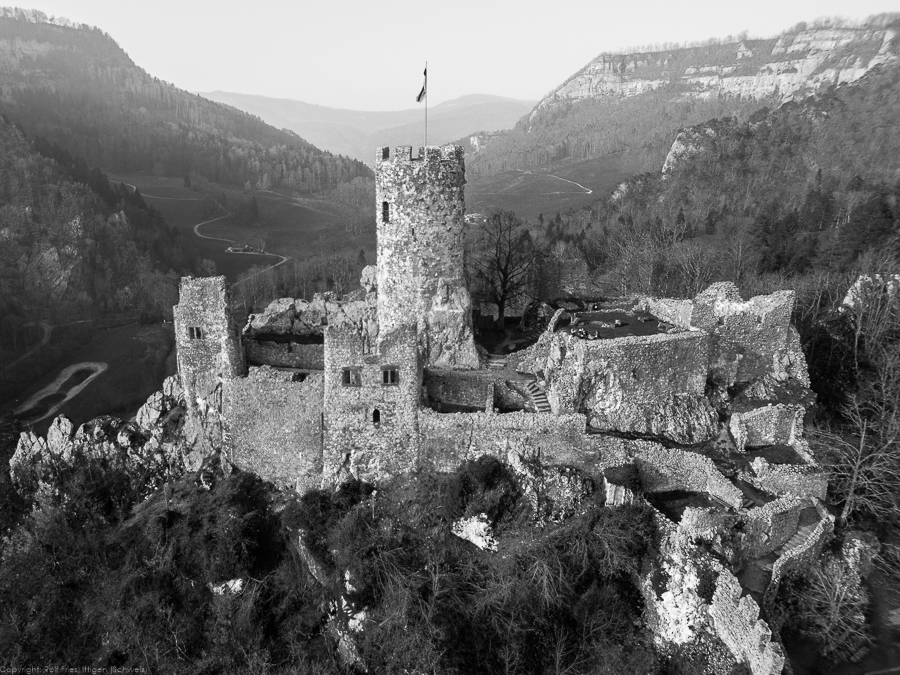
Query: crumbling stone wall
x: 768, y: 527
x: 748, y: 337
x: 666, y: 469
x: 769, y: 425
x: 787, y: 479
x: 736, y: 621
x: 420, y: 211
x: 274, y: 423
x: 285, y: 354
x: 208, y: 345
x: 371, y: 428
x: 639, y: 384
x: 464, y: 388
x: 449, y: 439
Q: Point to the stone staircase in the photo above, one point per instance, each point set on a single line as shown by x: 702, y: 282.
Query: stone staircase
x: 538, y: 398
x: 497, y: 361
x: 800, y: 537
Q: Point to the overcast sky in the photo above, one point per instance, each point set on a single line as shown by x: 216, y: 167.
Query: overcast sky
x: 369, y: 54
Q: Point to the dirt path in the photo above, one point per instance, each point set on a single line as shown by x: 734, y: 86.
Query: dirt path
x: 587, y: 190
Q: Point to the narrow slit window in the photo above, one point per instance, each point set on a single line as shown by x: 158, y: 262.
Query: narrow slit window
x: 390, y: 375
x: 195, y: 333
x: 385, y: 212
x: 376, y: 418
x: 351, y: 377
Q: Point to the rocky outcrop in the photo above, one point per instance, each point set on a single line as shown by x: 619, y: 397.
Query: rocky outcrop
x: 476, y: 530
x: 151, y: 449
x: 793, y: 65
x: 554, y: 492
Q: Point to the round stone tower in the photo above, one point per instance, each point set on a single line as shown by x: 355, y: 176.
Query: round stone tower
x: 420, y: 211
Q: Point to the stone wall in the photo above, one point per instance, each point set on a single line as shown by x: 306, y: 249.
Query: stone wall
x: 371, y: 428
x: 285, y: 354
x: 207, y: 341
x: 666, y: 469
x: 420, y: 210
x: 783, y: 479
x: 448, y: 439
x: 275, y: 426
x: 640, y: 384
x: 769, y: 425
x: 673, y: 311
x: 770, y: 526
x: 736, y: 621
x: 467, y: 388
x: 748, y: 336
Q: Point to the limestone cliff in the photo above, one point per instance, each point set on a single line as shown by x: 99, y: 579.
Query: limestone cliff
x: 794, y: 64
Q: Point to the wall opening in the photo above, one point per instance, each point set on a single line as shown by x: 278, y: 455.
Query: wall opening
x: 385, y: 152
x: 351, y: 377
x: 195, y: 333
x: 376, y: 418
x: 385, y: 212
x: 390, y: 375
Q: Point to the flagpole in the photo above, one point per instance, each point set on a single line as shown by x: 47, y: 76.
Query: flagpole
x: 426, y: 104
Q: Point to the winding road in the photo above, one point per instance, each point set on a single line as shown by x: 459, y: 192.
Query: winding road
x: 282, y: 259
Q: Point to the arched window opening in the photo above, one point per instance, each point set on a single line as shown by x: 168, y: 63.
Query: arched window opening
x: 385, y: 212
x: 376, y: 418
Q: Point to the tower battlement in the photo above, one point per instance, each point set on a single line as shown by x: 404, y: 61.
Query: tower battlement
x: 433, y: 153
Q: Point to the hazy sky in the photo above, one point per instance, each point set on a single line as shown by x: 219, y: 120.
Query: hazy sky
x: 369, y: 54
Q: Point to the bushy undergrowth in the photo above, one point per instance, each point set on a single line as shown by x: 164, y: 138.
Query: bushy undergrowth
x: 97, y: 582
x: 98, y: 578
x: 557, y: 600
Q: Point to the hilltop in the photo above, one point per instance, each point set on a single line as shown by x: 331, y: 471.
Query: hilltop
x: 73, y: 85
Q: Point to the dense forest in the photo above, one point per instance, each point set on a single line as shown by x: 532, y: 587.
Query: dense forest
x: 73, y: 244
x: 76, y: 87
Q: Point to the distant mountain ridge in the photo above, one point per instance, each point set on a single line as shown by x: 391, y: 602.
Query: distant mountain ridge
x: 623, y: 111
x: 73, y: 85
x: 792, y: 64
x: 357, y: 133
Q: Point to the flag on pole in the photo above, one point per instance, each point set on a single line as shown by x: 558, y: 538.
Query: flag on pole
x: 424, y: 86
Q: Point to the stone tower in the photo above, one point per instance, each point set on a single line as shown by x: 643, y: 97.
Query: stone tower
x: 208, y: 345
x: 420, y: 211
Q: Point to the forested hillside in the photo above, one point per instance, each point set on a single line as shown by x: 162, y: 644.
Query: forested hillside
x: 78, y: 88
x: 72, y: 244
x: 809, y: 186
x: 634, y: 103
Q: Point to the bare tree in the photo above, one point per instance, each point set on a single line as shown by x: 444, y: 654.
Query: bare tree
x: 499, y: 261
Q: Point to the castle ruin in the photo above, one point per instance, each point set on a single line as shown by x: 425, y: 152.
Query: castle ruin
x: 702, y: 398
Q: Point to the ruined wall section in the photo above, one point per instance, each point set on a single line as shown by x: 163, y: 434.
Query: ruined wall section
x: 449, y: 439
x: 274, y: 422
x: 371, y: 427
x: 285, y: 354
x: 420, y: 211
x: 651, y: 385
x: 667, y: 469
x: 206, y: 337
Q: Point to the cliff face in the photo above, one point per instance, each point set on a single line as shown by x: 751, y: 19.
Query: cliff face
x: 794, y: 64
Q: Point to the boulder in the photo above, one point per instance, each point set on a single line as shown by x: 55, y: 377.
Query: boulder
x: 149, y: 414
x: 277, y: 318
x: 477, y: 530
